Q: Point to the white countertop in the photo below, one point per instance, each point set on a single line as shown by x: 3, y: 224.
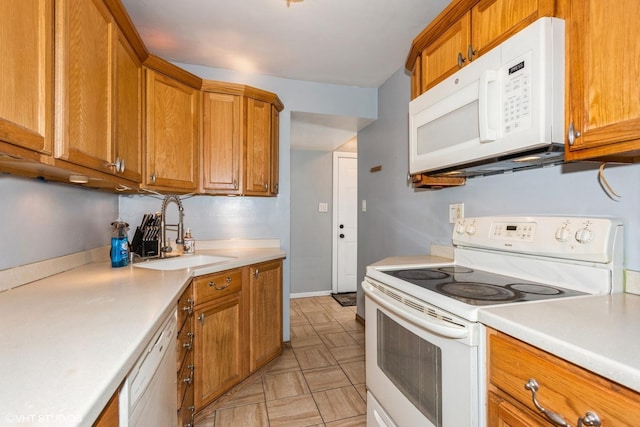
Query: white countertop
x: 599, y: 333
x: 68, y: 340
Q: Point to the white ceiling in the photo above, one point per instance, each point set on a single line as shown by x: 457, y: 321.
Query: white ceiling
x: 349, y: 42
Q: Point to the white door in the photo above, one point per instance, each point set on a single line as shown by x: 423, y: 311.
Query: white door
x: 345, y: 221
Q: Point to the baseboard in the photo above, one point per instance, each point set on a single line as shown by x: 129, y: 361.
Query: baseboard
x: 360, y: 319
x: 309, y: 294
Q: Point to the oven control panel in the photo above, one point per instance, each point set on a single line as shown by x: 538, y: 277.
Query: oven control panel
x: 579, y: 238
x: 513, y: 231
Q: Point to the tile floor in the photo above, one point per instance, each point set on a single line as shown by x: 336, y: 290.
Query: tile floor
x: 317, y: 381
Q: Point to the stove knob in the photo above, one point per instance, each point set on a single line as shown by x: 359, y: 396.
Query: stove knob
x: 562, y: 234
x: 471, y: 229
x: 584, y: 235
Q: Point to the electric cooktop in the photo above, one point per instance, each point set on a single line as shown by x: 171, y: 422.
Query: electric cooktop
x: 477, y: 287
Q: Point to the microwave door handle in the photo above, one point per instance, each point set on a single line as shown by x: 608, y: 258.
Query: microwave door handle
x: 487, y: 134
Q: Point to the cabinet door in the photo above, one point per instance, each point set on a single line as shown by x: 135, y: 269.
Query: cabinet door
x: 446, y: 54
x: 265, y: 317
x: 493, y: 21
x: 258, y: 148
x: 603, y: 62
x: 26, y: 67
x: 275, y: 151
x: 218, y: 351
x: 85, y: 34
x: 128, y: 107
x: 222, y: 143
x: 172, y: 134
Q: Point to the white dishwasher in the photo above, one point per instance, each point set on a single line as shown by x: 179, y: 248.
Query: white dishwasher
x: 149, y: 395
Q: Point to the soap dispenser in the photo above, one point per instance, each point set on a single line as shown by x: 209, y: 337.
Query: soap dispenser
x: 119, y: 244
x: 189, y: 246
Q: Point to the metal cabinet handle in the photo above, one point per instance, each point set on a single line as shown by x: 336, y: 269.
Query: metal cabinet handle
x: 572, y: 134
x: 532, y: 385
x: 235, y: 184
x: 189, y: 345
x: 266, y: 186
x: 256, y: 273
x: 201, y: 319
x: 188, y: 309
x: 471, y: 53
x: 187, y: 380
x: 590, y: 419
x: 219, y: 288
x: 153, y: 178
x: 122, y: 166
x: 461, y: 60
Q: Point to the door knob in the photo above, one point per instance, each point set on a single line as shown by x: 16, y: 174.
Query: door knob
x: 341, y: 236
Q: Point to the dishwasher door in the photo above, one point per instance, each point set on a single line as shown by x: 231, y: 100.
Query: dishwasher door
x: 149, y: 396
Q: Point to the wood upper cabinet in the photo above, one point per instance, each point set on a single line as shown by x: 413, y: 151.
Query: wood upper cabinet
x: 465, y: 30
x: 445, y: 55
x: 222, y: 148
x: 128, y: 111
x: 603, y: 60
x: 258, y: 146
x: 85, y: 49
x: 265, y: 313
x: 172, y: 122
x: 99, y: 100
x: 240, y: 140
x: 493, y: 21
x: 26, y: 66
x: 563, y: 388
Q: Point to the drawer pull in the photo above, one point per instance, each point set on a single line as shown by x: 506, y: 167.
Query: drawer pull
x: 219, y: 288
x: 557, y: 419
x: 590, y: 419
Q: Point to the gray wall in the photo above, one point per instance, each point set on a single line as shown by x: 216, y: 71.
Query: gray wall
x: 401, y: 221
x: 311, y: 183
x: 42, y: 220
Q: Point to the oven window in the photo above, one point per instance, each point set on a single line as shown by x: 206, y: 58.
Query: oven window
x: 413, y: 365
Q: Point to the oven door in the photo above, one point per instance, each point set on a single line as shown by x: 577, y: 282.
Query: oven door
x: 420, y: 369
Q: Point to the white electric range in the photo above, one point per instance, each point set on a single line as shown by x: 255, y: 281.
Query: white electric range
x: 425, y: 349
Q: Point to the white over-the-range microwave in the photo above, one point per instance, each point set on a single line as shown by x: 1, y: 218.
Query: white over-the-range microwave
x: 503, y: 111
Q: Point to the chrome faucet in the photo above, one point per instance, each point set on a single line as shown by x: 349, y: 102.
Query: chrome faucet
x: 165, y: 247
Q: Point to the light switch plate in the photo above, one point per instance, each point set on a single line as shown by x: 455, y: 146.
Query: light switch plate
x: 456, y: 212
x: 323, y: 207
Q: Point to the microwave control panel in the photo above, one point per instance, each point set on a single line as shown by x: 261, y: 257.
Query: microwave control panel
x: 516, y: 94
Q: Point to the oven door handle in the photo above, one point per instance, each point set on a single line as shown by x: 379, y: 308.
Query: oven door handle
x: 454, y: 332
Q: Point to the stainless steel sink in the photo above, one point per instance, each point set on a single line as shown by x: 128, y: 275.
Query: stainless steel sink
x: 179, y: 262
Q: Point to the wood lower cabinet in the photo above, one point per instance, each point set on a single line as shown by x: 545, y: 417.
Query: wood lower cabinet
x: 26, y: 86
x: 603, y: 59
x: 110, y: 415
x: 219, y: 335
x: 265, y: 312
x: 563, y: 388
x: 172, y: 123
x: 185, y: 369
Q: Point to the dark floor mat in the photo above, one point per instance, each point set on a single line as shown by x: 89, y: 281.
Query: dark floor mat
x: 347, y: 299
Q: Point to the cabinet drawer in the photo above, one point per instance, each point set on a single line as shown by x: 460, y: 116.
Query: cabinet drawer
x: 564, y: 388
x: 212, y: 286
x: 185, y: 413
x: 185, y: 306
x: 184, y: 344
x: 185, y: 382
